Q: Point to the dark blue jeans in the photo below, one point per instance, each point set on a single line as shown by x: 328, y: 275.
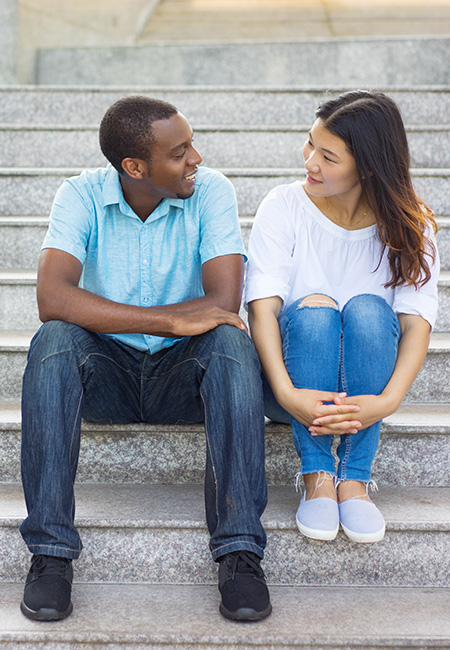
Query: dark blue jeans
x: 353, y: 350
x: 214, y: 377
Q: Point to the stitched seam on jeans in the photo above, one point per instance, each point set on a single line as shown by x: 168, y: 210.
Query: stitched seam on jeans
x: 226, y: 356
x: 168, y: 372
x: 238, y: 542
x: 72, y: 437
x: 340, y: 372
x: 63, y: 548
x: 55, y: 354
x: 211, y: 456
x: 348, y: 443
x: 105, y: 356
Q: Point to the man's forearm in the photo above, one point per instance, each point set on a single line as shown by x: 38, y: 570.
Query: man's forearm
x: 98, y: 314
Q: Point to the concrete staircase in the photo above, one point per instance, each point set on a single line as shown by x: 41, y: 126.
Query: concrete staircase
x: 145, y: 579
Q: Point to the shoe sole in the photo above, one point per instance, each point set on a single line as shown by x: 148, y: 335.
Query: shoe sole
x: 245, y: 613
x: 45, y: 613
x: 321, y: 535
x: 364, y: 538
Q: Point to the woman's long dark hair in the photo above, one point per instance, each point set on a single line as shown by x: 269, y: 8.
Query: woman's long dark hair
x: 371, y: 126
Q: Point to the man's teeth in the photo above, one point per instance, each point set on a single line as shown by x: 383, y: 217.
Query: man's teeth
x: 190, y: 178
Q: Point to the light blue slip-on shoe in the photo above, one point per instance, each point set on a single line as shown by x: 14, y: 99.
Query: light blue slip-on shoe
x: 361, y: 521
x: 318, y: 518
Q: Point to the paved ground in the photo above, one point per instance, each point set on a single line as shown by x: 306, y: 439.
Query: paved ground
x: 289, y: 19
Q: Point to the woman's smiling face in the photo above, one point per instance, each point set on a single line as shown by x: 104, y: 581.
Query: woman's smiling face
x: 330, y: 167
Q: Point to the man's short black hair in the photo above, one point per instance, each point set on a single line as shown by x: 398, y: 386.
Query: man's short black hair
x: 126, y: 128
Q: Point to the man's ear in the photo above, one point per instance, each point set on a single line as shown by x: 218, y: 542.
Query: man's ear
x: 134, y: 167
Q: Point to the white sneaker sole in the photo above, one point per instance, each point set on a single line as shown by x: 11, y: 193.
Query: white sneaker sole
x: 364, y: 538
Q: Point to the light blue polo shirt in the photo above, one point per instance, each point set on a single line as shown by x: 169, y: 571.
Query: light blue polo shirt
x: 156, y: 262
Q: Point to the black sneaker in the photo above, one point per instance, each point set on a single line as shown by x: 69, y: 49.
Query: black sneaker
x: 47, y: 589
x: 245, y: 596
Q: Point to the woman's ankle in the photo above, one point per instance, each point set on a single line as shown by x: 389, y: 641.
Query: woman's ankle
x: 352, y: 490
x: 319, y: 484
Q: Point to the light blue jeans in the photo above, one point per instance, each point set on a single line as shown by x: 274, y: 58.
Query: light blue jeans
x: 214, y: 378
x: 353, y: 350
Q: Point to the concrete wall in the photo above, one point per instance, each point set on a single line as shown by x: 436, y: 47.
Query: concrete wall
x: 69, y: 23
x: 8, y: 41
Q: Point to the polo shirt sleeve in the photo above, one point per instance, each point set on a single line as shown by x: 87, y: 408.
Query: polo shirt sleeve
x: 270, y: 249
x: 220, y: 232
x: 424, y: 300
x: 70, y: 221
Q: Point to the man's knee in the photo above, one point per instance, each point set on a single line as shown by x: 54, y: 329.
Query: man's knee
x: 57, y: 338
x: 53, y: 337
x: 230, y: 341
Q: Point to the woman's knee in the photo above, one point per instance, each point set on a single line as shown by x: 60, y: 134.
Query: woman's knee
x: 369, y: 310
x: 371, y: 321
x: 315, y: 315
x: 317, y: 300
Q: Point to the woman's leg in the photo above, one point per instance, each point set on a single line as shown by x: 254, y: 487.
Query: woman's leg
x: 311, y: 348
x: 369, y: 351
x: 310, y: 331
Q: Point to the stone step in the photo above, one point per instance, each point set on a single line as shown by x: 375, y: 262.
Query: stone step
x: 220, y: 146
x: 280, y: 106
x: 175, y: 21
x: 157, y: 534
x: 31, y: 191
x: 186, y: 617
x: 431, y: 384
x: 18, y: 308
x: 23, y: 237
x: 371, y: 62
x: 414, y: 450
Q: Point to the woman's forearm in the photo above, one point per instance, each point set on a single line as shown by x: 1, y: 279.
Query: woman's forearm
x: 412, y: 350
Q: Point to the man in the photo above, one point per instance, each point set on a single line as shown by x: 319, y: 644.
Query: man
x: 139, y: 285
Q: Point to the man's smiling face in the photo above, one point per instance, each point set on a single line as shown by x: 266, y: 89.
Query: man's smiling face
x: 174, y: 160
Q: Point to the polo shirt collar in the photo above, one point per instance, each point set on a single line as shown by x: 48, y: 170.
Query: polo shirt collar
x: 112, y: 194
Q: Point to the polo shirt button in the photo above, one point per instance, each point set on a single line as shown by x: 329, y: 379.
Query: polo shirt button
x: 144, y: 262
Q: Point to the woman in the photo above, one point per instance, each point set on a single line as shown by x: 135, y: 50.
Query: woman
x: 342, y: 295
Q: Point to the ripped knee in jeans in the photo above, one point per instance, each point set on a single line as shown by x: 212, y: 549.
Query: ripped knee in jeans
x: 317, y: 300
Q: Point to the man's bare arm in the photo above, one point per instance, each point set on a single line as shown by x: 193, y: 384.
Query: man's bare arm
x: 60, y: 298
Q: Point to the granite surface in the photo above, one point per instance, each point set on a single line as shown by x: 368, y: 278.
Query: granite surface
x: 155, y: 616
x: 244, y: 147
x: 409, y: 454
x: 26, y: 191
x: 28, y: 105
x: 24, y: 242
x: 157, y: 534
x: 355, y: 62
x: 8, y: 41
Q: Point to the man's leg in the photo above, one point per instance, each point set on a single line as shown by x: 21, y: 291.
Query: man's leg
x: 215, y: 377
x: 70, y: 373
